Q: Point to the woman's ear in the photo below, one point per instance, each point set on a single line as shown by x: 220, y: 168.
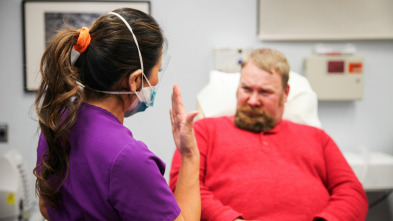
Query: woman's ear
x: 135, y: 80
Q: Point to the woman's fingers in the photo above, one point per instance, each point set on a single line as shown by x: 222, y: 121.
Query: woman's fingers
x: 191, y: 116
x: 171, y: 116
x: 176, y: 115
x: 177, y: 103
x: 182, y: 123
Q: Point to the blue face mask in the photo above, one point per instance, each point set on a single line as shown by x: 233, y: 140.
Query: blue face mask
x: 139, y: 107
x: 145, y: 99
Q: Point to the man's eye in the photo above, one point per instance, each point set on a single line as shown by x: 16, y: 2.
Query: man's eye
x: 247, y: 89
x: 264, y: 92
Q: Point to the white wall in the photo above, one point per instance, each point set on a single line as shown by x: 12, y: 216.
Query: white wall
x: 16, y: 107
x: 194, y: 29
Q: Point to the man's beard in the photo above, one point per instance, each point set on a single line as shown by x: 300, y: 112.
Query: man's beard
x: 253, y: 119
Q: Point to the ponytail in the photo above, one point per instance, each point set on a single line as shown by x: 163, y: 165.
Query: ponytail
x: 57, y: 102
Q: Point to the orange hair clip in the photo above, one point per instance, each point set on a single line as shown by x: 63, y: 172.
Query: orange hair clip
x: 83, y: 40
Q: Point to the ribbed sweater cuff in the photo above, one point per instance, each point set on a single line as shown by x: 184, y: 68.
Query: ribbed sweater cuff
x: 326, y: 216
x: 228, y: 215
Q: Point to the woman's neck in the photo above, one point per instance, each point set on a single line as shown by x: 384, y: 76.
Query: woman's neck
x: 111, y: 104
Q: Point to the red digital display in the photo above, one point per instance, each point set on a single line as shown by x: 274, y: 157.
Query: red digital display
x: 336, y: 67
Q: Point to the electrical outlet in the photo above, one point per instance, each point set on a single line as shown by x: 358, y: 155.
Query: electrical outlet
x: 3, y: 133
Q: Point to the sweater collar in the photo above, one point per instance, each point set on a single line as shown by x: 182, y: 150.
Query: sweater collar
x: 276, y: 128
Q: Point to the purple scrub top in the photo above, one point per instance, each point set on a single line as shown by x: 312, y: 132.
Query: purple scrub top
x: 112, y: 176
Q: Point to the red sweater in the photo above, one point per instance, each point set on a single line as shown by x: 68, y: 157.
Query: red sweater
x: 292, y: 172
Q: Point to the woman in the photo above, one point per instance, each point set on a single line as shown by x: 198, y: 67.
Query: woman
x: 89, y: 166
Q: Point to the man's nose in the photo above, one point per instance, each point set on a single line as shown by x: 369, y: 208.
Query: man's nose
x: 254, y: 100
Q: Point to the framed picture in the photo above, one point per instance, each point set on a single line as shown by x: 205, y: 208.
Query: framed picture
x: 42, y: 19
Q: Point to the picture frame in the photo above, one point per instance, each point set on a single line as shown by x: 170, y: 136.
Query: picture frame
x: 41, y: 19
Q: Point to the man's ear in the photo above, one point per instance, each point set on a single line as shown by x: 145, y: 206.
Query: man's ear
x: 286, y: 92
x: 135, y: 80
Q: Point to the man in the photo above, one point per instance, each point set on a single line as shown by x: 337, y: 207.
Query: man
x: 256, y: 166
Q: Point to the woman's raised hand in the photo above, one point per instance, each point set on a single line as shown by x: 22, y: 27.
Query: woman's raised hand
x: 182, y: 130
x: 187, y: 192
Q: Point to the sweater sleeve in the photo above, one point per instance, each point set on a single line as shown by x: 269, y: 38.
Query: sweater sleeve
x: 348, y: 199
x: 212, y: 208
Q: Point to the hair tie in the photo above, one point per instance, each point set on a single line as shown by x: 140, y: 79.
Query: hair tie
x: 83, y: 40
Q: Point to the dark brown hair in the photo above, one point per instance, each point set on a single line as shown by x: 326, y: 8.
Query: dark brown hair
x: 111, y: 55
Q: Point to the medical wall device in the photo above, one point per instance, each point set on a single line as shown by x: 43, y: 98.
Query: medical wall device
x: 335, y: 74
x: 16, y: 189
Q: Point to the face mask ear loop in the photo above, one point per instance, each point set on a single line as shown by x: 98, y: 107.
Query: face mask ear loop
x: 137, y: 92
x: 147, y: 80
x: 130, y: 95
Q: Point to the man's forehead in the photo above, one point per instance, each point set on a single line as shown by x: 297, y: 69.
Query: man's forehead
x: 253, y: 84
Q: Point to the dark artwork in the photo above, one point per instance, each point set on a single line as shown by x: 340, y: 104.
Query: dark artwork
x: 56, y: 21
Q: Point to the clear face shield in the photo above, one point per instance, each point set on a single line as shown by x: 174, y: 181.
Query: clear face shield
x: 147, y: 94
